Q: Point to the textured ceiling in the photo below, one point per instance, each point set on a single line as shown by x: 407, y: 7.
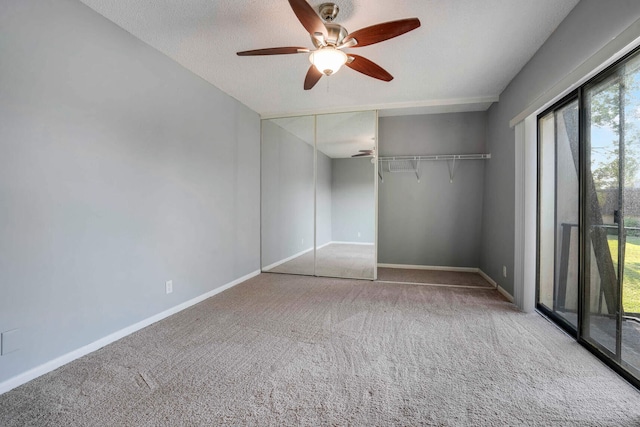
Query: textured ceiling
x: 461, y: 58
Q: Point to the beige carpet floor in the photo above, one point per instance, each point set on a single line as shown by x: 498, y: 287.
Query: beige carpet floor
x: 291, y: 350
x: 452, y: 278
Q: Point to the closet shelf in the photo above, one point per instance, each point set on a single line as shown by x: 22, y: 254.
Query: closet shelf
x: 437, y: 157
x: 412, y: 163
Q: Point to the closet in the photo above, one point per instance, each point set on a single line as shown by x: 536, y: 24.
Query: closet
x: 318, y: 201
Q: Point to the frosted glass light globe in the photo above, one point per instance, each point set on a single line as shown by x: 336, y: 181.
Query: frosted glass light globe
x: 328, y: 60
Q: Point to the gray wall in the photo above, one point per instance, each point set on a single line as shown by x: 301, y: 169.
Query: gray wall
x: 432, y: 222
x: 119, y: 170
x: 353, y: 200
x: 590, y: 26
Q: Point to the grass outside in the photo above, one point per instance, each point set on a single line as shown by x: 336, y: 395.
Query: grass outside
x: 631, y: 284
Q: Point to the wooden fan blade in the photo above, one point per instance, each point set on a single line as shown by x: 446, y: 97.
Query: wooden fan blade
x: 274, y: 51
x: 371, y: 69
x: 361, y: 155
x: 308, y: 17
x: 365, y: 151
x: 313, y: 75
x: 382, y: 32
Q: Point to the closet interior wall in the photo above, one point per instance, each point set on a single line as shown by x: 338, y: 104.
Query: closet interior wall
x: 433, y: 222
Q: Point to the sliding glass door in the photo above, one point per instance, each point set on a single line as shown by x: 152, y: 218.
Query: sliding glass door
x: 588, y: 276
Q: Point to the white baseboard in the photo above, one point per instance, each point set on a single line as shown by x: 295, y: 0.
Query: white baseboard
x: 440, y: 285
x: 499, y: 288
x: 49, y: 366
x: 505, y: 294
x: 282, y: 261
x: 486, y: 277
x: 430, y: 267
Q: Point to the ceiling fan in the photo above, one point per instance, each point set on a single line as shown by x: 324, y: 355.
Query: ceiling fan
x: 329, y: 40
x: 366, y: 153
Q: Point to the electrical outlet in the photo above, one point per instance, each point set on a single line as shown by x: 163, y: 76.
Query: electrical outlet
x: 168, y: 286
x: 10, y: 341
x: 302, y: 241
x: 358, y: 234
x: 504, y: 270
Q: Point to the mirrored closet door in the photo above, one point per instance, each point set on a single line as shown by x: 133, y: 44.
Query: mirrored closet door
x: 287, y: 195
x: 318, y: 200
x: 346, y: 195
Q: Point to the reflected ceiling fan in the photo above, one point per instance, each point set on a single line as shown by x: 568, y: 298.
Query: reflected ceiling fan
x: 329, y: 40
x: 366, y: 153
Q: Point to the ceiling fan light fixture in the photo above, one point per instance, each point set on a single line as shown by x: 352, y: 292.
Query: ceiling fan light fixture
x: 329, y: 38
x: 328, y: 60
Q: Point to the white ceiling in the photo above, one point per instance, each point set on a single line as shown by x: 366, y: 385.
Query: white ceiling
x: 460, y: 59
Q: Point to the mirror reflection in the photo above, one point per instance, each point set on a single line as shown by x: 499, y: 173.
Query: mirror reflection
x: 346, y: 178
x: 318, y: 195
x: 288, y: 195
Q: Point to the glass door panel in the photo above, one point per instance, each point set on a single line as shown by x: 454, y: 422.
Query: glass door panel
x: 629, y: 158
x: 559, y: 213
x: 613, y: 214
x: 603, y: 219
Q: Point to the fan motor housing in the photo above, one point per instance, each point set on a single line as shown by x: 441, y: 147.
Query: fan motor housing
x: 335, y: 34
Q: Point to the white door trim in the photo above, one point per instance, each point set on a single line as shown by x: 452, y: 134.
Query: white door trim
x: 526, y: 175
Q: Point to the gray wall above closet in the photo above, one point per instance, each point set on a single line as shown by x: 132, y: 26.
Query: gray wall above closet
x: 432, y: 222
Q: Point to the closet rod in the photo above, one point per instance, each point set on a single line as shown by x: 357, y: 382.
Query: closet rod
x: 437, y: 157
